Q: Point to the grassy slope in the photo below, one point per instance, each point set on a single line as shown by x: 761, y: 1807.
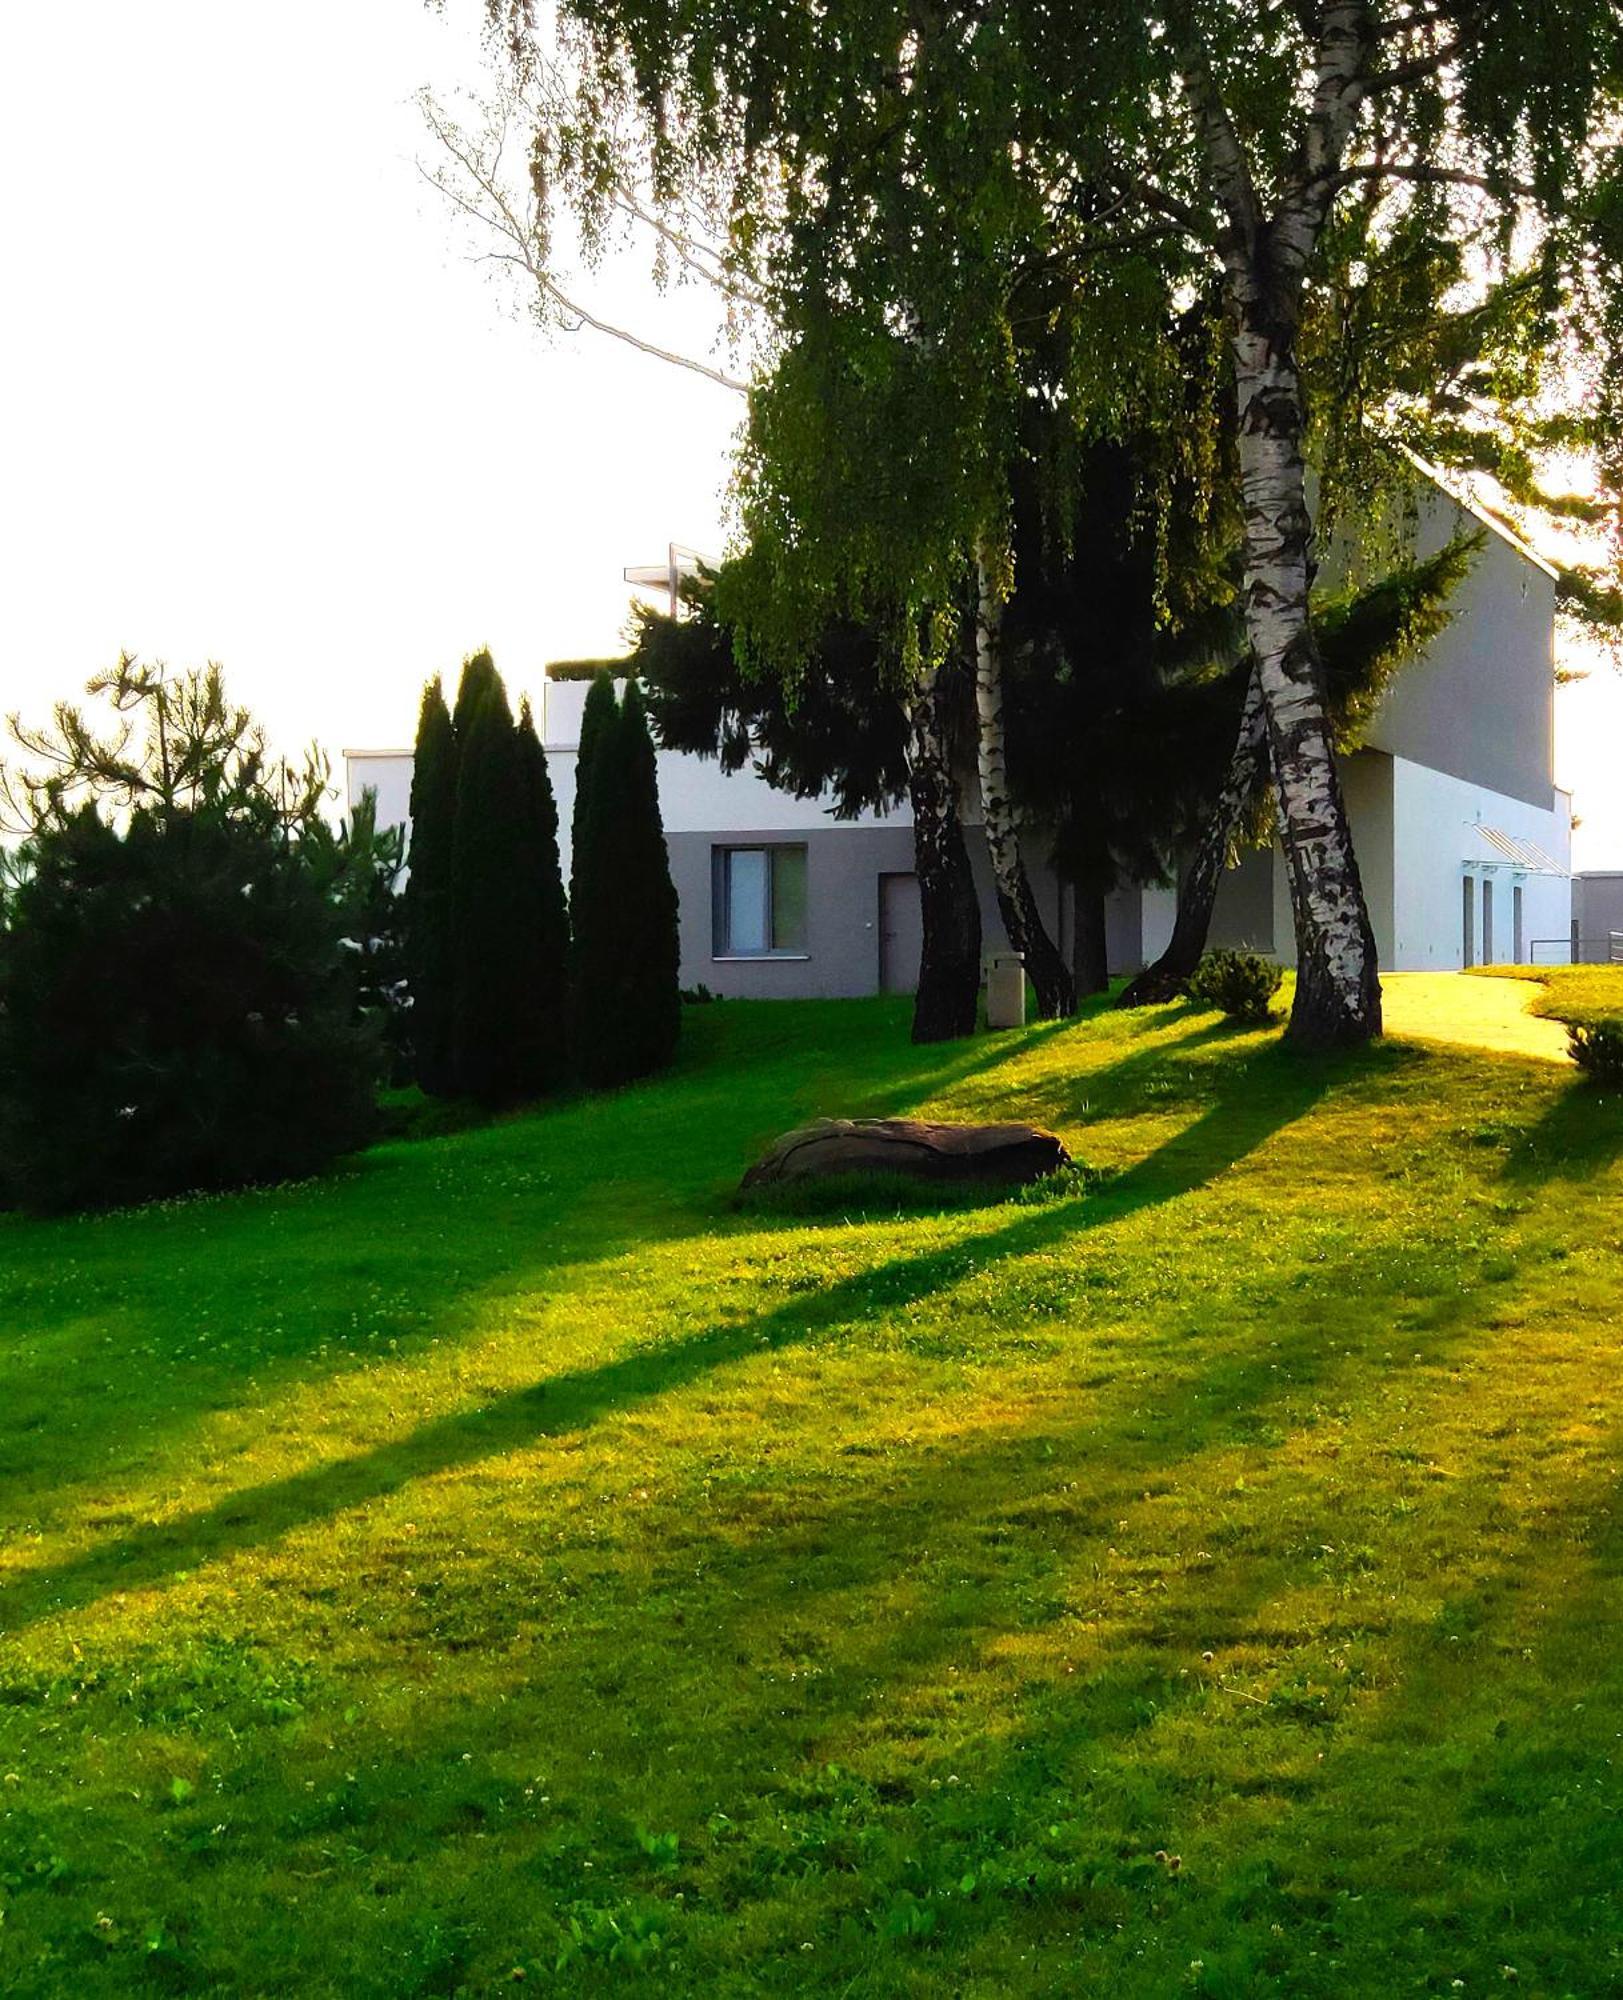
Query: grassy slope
x: 1576, y: 993
x: 508, y: 1553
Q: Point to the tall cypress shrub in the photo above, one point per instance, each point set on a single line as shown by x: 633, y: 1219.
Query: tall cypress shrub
x: 494, y: 907
x: 546, y: 1020
x: 429, y: 969
x: 627, y: 958
x: 596, y: 720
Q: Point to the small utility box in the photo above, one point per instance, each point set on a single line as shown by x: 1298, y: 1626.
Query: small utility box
x: 1006, y: 990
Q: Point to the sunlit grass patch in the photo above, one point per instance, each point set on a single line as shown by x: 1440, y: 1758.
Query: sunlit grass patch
x: 510, y: 1556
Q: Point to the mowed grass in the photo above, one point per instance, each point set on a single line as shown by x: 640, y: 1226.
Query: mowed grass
x: 507, y: 1565
x: 1582, y: 994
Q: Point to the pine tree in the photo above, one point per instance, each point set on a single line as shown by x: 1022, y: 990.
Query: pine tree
x: 596, y: 718
x: 627, y: 1008
x: 428, y: 892
x: 654, y: 1012
x: 545, y: 1027
x: 494, y: 911
x: 479, y: 676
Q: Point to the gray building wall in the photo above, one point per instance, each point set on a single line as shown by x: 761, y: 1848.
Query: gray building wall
x: 1479, y: 703
x: 843, y: 867
x: 844, y: 864
x: 1253, y: 900
x: 1597, y: 913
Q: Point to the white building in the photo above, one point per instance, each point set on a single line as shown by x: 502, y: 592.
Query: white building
x: 1463, y: 839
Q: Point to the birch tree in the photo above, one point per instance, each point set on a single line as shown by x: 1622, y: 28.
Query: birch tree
x: 901, y: 151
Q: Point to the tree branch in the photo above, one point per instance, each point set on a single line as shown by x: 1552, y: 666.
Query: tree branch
x: 1424, y: 176
x: 1225, y: 156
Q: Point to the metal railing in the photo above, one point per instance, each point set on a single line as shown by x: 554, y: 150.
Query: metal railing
x: 1574, y: 950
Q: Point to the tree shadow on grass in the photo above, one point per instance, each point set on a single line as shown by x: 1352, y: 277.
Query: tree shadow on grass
x: 924, y: 1566
x: 1233, y: 1127
x: 161, y: 1316
x: 1579, y: 1136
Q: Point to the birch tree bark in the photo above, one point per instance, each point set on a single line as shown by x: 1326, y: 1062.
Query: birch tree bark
x: 950, y: 961
x: 1017, y: 904
x: 1197, y: 891
x: 1265, y: 259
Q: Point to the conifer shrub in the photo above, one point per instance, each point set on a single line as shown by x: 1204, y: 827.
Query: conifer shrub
x: 544, y: 913
x: 429, y: 967
x: 181, y: 1005
x: 626, y: 1003
x: 597, y: 718
x: 1240, y: 983
x: 489, y: 919
x: 1597, y: 1049
x: 177, y: 1012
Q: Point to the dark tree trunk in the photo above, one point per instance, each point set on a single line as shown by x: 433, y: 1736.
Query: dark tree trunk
x: 950, y: 962
x: 1197, y: 891
x: 1090, y: 961
x: 1017, y: 905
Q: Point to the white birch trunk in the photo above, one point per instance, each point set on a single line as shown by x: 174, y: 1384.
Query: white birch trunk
x: 1265, y: 258
x: 1338, y: 993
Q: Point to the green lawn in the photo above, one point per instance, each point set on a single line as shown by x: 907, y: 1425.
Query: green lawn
x: 1578, y: 993
x: 507, y: 1562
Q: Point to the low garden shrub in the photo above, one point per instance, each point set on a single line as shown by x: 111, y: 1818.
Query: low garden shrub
x: 1597, y: 1049
x: 1241, y: 983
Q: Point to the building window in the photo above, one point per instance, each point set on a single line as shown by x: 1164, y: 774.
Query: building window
x: 1487, y: 923
x: 759, y: 902
x: 1468, y: 941
x: 1518, y: 937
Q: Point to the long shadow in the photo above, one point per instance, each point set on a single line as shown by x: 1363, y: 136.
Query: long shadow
x: 820, y: 1574
x: 1579, y: 1135
x: 215, y: 1293
x: 250, y: 1518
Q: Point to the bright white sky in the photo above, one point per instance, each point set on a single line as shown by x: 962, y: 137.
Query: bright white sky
x: 259, y: 408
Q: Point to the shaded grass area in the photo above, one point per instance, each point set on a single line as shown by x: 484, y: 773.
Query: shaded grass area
x: 1578, y: 994
x: 509, y: 1557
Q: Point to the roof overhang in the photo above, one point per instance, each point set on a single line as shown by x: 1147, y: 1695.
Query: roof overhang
x: 1497, y: 849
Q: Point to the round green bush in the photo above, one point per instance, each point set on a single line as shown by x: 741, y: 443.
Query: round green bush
x: 1597, y: 1049
x: 1241, y: 983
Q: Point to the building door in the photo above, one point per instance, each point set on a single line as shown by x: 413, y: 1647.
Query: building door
x: 1517, y: 937
x: 901, y: 933
x: 1468, y: 939
x: 1487, y: 923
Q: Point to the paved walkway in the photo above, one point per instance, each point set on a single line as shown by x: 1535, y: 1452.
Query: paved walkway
x: 1474, y: 1013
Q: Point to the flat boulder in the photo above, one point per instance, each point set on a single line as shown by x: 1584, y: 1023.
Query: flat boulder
x: 1006, y: 1154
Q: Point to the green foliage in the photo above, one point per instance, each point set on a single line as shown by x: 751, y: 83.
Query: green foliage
x: 596, y: 722
x: 177, y: 1011
x: 182, y: 953
x: 490, y: 811
x: 1597, y: 1049
x: 508, y: 929
x: 364, y: 868
x: 1241, y: 983
x: 626, y: 1003
x: 586, y: 670
x: 542, y: 910
x: 429, y: 958
x: 176, y: 743
x: 1365, y: 636
x: 488, y: 919
x: 838, y: 727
